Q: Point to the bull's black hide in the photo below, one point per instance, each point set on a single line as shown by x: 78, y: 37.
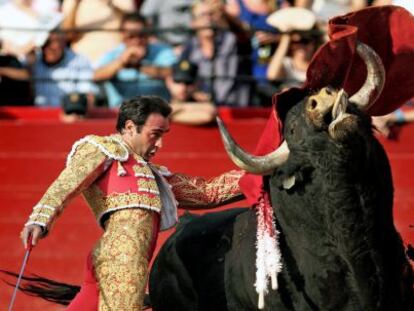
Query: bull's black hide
x: 340, y: 249
x: 193, y: 260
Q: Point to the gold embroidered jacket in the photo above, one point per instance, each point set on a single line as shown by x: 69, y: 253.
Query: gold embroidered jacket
x: 111, y: 178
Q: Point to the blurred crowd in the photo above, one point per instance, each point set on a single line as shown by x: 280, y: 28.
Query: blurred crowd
x: 197, y: 54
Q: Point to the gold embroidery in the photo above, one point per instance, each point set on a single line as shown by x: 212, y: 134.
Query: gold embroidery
x: 39, y: 218
x: 101, y: 204
x: 147, y: 185
x: 121, y: 260
x: 143, y: 171
x: 198, y: 192
x: 140, y: 160
x: 110, y: 143
x: 86, y: 165
x: 95, y: 198
x: 115, y: 200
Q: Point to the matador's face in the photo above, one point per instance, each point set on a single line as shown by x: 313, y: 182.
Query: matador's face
x: 148, y: 139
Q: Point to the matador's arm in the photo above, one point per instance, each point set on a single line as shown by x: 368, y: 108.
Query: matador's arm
x: 85, y: 165
x: 196, y: 192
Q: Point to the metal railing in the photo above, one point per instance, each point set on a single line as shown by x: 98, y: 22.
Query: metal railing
x: 153, y: 31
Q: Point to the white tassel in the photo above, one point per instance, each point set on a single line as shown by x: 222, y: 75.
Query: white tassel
x: 121, y: 170
x: 268, y: 257
x: 261, y: 301
x: 261, y: 275
x: 273, y: 258
x: 273, y: 277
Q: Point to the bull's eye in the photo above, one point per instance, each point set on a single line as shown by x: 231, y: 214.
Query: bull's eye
x: 328, y: 91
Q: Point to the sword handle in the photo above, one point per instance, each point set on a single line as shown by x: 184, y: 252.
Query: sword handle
x: 29, y: 243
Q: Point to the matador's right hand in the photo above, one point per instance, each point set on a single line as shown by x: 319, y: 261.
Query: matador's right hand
x: 31, y: 230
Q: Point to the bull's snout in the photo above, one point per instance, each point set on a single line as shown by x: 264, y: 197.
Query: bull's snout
x: 326, y: 110
x: 319, y: 107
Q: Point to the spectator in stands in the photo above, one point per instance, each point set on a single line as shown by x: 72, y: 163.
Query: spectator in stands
x: 221, y: 55
x: 253, y: 15
x: 105, y: 16
x: 295, y: 50
x: 326, y: 9
x: 190, y: 105
x: 407, y: 4
x: 45, y: 6
x: 301, y: 3
x: 14, y: 82
x: 59, y: 72
x: 135, y: 67
x: 386, y: 124
x: 292, y: 58
x: 21, y: 14
x: 171, y: 14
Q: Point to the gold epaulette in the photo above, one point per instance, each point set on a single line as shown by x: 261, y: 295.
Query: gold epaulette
x: 111, y: 146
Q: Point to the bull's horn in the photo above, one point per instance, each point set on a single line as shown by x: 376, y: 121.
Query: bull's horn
x: 374, y: 83
x: 260, y: 165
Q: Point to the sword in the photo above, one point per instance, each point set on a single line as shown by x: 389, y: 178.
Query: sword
x: 26, y: 258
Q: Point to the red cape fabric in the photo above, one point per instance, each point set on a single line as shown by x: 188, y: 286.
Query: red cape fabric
x: 389, y: 31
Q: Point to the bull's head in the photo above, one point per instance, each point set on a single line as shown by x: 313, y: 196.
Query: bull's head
x: 328, y: 110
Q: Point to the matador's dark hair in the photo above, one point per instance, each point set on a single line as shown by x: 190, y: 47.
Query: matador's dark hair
x: 139, y: 108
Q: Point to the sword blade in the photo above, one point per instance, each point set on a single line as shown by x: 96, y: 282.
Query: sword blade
x: 26, y: 258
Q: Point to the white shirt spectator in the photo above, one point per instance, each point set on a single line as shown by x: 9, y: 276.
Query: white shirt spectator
x: 73, y: 74
x: 97, y: 14
x: 293, y: 74
x: 46, y: 6
x: 41, y: 6
x: 326, y: 9
x: 13, y: 18
x: 407, y: 4
x: 169, y: 14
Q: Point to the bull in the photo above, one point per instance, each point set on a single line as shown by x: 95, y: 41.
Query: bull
x: 331, y: 190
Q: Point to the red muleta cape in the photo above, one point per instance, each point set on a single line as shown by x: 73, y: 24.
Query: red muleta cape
x: 389, y: 31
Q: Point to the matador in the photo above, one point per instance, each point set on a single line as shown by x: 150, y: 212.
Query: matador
x: 131, y: 198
